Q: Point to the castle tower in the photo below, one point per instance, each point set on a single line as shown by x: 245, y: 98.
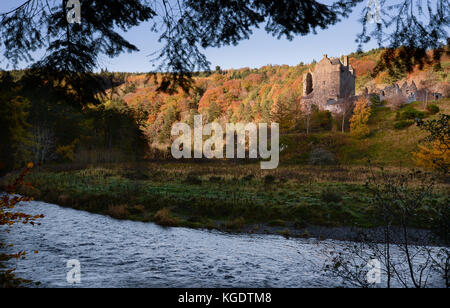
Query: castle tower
x: 333, y: 79
x: 345, y: 61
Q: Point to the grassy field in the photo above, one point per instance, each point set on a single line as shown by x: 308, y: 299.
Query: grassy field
x: 390, y: 146
x: 386, y: 145
x: 216, y: 195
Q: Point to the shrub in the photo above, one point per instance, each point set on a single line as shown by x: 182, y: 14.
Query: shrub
x: 322, y: 157
x: 410, y: 113
x: 98, y: 155
x: 441, y: 227
x: 269, y: 179
x: 248, y: 178
x: 375, y: 101
x: 305, y: 234
x: 30, y: 191
x: 437, y: 67
x: 286, y: 233
x: 300, y: 224
x: 118, y: 211
x: 164, y: 218
x: 137, y: 209
x: 403, y: 124
x: 277, y: 223
x: 433, y: 109
x: 236, y: 224
x: 136, y: 175
x: 130, y: 88
x: 396, y: 102
x: 331, y: 195
x: 67, y: 152
x: 322, y: 120
x: 215, y: 179
x: 193, y: 179
x: 64, y: 200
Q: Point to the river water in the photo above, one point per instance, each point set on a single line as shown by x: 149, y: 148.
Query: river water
x: 115, y: 253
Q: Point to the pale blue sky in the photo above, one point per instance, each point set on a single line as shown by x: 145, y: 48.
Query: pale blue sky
x: 261, y: 49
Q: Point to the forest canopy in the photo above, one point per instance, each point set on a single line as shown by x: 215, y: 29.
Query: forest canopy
x: 186, y: 27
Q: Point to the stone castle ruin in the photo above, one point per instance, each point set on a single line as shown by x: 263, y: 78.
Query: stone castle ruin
x: 409, y: 92
x: 330, y: 85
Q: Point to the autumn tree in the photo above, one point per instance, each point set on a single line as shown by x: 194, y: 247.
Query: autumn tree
x: 13, y: 125
x: 170, y: 116
x: 282, y: 110
x: 8, y: 218
x: 433, y: 155
x: 346, y: 108
x: 266, y: 106
x: 434, y: 152
x: 214, y: 111
x: 397, y: 201
x: 248, y: 112
x: 361, y: 114
x: 308, y: 109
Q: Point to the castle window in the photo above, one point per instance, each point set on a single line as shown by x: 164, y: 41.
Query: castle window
x: 309, y: 84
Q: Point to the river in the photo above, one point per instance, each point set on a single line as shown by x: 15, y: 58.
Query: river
x: 115, y: 253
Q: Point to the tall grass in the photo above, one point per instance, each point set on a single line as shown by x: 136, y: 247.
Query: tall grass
x: 214, y: 193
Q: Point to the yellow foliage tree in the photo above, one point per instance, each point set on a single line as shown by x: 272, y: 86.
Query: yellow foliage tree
x: 360, y: 118
x: 433, y: 155
x: 67, y: 152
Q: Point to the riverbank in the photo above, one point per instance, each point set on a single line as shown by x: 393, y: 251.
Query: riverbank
x: 320, y: 202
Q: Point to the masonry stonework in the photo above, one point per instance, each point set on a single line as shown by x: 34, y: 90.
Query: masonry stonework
x: 331, y: 82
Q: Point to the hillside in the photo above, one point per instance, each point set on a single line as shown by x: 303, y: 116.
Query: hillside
x: 273, y: 93
x: 134, y: 120
x: 386, y: 144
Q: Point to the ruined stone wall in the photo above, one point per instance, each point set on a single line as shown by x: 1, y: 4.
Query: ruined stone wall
x: 409, y: 92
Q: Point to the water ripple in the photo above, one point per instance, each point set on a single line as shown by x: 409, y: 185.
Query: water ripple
x: 133, y: 254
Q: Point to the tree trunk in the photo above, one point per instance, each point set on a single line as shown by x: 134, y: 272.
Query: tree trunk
x: 307, y: 124
x: 308, y: 116
x: 408, y: 255
x: 388, y: 252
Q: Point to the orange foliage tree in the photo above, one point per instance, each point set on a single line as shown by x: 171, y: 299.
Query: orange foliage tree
x: 435, y: 152
x: 9, y: 218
